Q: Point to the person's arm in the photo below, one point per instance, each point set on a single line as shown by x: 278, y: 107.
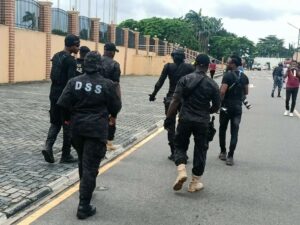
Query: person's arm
x: 71, y: 67
x: 216, y: 100
x: 114, y: 101
x: 246, y: 87
x: 159, y: 83
x: 176, y: 100
x: 223, y: 90
x: 66, y: 102
x: 116, y: 78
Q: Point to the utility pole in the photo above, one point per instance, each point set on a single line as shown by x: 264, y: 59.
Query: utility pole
x: 298, y: 42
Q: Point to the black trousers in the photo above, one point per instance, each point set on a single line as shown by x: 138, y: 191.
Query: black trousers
x: 55, y: 127
x: 235, y: 119
x: 212, y: 73
x: 171, y: 130
x: 291, y: 92
x: 182, y: 140
x: 111, y: 132
x: 90, y: 152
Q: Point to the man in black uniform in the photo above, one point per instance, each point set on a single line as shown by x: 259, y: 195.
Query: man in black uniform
x: 80, y: 61
x: 87, y: 102
x: 112, y: 71
x: 200, y: 97
x: 233, y: 90
x: 63, y: 69
x: 174, y: 71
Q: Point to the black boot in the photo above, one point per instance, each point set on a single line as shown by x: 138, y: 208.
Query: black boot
x: 51, y: 138
x: 272, y: 95
x: 85, y: 210
x: 278, y: 94
x: 172, y: 156
x: 66, y: 156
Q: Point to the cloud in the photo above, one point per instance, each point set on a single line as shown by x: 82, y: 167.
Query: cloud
x: 248, y: 12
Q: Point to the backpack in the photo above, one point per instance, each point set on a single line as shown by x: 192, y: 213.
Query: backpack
x: 57, y: 65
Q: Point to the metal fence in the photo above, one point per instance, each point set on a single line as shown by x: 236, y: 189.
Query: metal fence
x: 161, y: 48
x: 84, y: 27
x: 2, y: 10
x: 103, y: 33
x: 27, y: 14
x: 131, y: 39
x: 59, y: 21
x: 142, y: 42
x: 119, y: 36
x: 152, y: 45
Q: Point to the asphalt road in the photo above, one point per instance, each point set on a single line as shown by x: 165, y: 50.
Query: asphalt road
x: 262, y: 188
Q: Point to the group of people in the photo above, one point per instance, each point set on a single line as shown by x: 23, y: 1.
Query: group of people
x: 196, y: 96
x: 292, y: 77
x: 85, y: 99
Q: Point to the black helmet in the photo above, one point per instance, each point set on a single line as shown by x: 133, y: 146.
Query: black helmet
x: 92, y: 62
x: 179, y: 52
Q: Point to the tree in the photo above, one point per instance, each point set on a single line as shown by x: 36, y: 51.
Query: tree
x: 30, y: 17
x: 270, y: 46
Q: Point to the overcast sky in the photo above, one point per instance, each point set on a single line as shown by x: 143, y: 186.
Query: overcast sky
x: 251, y: 18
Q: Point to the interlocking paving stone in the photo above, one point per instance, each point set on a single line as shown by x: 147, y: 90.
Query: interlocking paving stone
x: 24, y: 123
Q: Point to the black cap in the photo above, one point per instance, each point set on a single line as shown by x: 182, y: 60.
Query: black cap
x: 202, y: 60
x: 110, y: 47
x: 92, y: 62
x: 84, y: 49
x: 72, y: 40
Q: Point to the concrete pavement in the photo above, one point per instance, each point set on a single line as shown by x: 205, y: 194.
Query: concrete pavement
x: 262, y: 187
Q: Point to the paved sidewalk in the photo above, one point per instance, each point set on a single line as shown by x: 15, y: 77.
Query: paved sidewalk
x: 24, y: 121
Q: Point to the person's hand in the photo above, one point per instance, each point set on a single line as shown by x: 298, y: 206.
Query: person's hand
x: 112, y: 121
x: 67, y: 122
x: 167, y: 123
x: 152, y: 97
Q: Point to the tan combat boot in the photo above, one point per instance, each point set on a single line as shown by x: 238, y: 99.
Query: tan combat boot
x: 195, y: 184
x: 110, y: 146
x: 181, y: 178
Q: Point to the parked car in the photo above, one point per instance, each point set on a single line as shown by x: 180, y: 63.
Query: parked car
x: 256, y: 67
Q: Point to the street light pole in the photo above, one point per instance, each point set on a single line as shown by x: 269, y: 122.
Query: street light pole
x: 298, y: 42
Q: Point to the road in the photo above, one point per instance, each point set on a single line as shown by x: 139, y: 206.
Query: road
x: 262, y: 188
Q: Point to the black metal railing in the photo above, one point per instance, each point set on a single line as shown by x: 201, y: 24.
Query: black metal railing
x: 119, y: 36
x: 103, y: 33
x: 27, y: 14
x: 84, y: 27
x: 152, y: 45
x: 59, y: 22
x: 161, y: 48
x: 142, y: 42
x: 2, y: 12
x: 131, y: 39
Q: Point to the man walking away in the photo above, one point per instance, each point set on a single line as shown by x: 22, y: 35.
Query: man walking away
x: 292, y: 87
x: 174, y: 71
x: 212, y: 68
x: 200, y: 97
x: 87, y: 101
x: 278, y: 79
x: 80, y: 61
x: 112, y: 71
x: 63, y: 69
x: 233, y: 90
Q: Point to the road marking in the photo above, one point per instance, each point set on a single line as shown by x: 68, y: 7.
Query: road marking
x: 70, y: 191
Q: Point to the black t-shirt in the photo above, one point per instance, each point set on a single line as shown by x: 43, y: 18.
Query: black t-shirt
x: 174, y: 72
x: 111, y: 69
x: 236, y: 81
x: 90, y: 98
x: 68, y: 71
x: 203, y: 98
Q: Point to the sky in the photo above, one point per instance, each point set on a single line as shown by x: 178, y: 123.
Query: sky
x: 251, y: 18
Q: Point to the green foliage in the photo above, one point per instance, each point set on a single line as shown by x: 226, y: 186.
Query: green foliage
x: 30, y: 17
x: 59, y: 32
x: 199, y: 32
x: 84, y: 34
x: 271, y: 46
